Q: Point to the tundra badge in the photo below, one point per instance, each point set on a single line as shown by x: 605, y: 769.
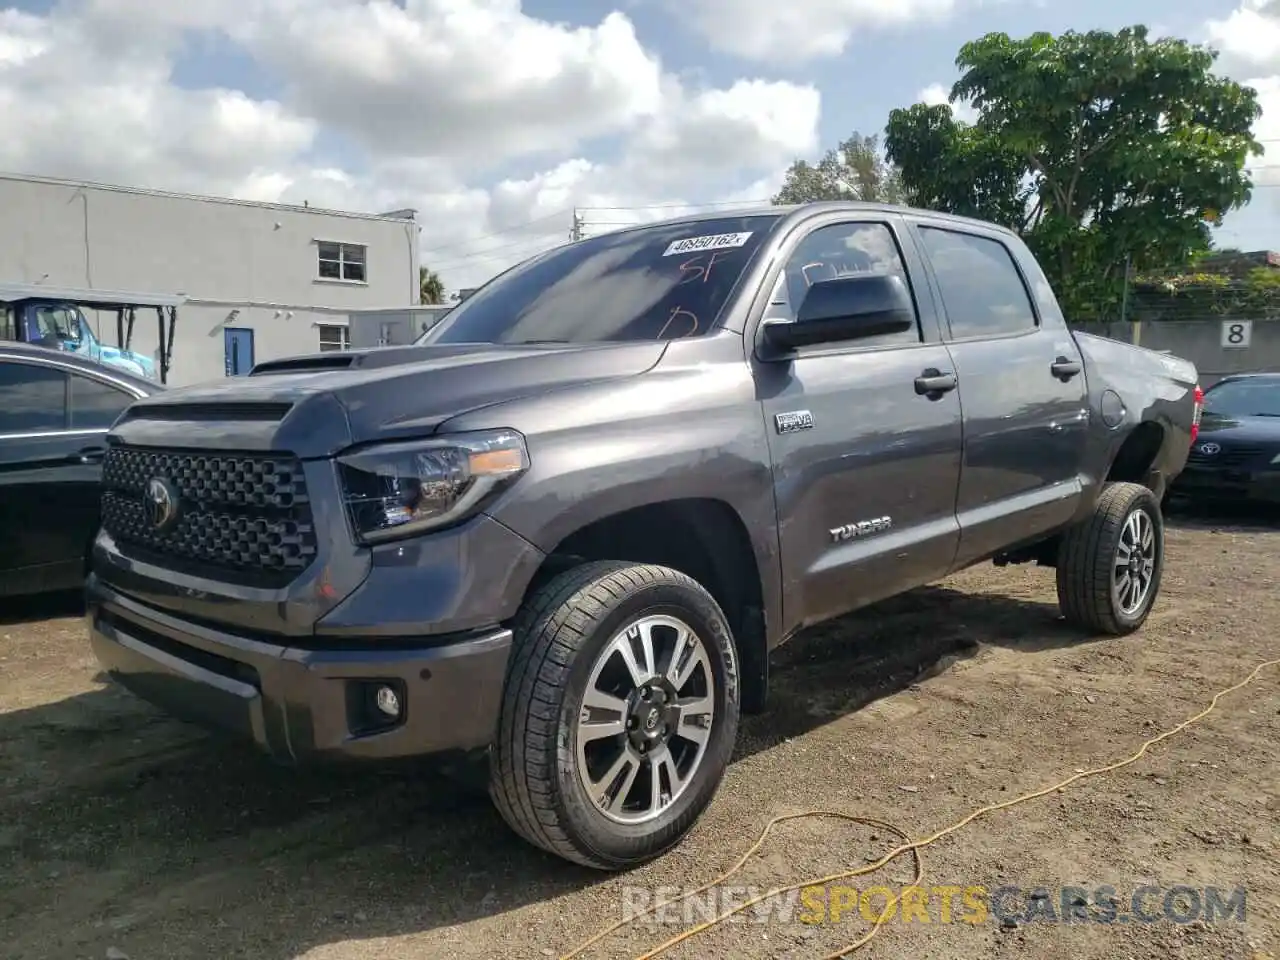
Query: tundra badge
x: 792, y: 421
x: 862, y: 528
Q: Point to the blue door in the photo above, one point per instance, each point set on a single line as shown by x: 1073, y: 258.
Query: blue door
x: 238, y: 343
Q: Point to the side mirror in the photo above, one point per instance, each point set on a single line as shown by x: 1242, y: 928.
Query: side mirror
x: 845, y: 308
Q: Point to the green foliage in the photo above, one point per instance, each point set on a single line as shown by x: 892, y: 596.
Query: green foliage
x: 1095, y: 146
x: 431, y: 287
x: 854, y: 170
x: 1197, y: 294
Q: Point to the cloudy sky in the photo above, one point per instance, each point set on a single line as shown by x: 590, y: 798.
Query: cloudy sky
x: 496, y: 118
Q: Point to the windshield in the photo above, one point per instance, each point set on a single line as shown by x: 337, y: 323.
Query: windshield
x: 660, y: 282
x: 1244, y: 398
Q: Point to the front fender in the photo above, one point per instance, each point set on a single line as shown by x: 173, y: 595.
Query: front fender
x: 675, y: 433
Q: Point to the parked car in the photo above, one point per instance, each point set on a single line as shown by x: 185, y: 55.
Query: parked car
x: 55, y: 410
x: 567, y: 527
x: 1237, y: 454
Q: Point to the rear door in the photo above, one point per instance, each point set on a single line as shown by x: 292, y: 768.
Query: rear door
x: 1026, y: 413
x: 865, y: 466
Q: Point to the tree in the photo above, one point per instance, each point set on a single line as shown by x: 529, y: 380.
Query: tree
x: 431, y: 287
x: 1099, y: 148
x: 854, y: 170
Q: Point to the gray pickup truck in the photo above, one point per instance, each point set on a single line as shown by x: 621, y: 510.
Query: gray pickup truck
x: 566, y: 528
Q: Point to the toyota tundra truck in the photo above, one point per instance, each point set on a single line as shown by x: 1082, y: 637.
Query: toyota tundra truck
x: 563, y: 531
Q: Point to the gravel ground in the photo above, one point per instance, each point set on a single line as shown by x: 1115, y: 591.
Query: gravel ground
x: 123, y: 833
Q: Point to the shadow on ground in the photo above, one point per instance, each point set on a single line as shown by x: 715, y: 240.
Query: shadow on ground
x: 1232, y: 517
x: 42, y: 606
x: 119, y: 827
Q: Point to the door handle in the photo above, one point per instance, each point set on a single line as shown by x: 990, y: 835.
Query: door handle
x: 1064, y: 369
x: 934, y: 383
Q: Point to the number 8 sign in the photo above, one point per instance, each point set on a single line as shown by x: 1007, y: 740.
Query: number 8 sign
x: 1236, y: 333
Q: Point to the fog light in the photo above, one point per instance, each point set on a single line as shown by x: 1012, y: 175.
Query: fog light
x: 388, y: 701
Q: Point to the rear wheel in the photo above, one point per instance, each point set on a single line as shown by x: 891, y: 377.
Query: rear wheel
x: 619, y: 715
x: 1109, y: 566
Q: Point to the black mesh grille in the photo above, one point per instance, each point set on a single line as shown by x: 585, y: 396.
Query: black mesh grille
x: 243, y: 517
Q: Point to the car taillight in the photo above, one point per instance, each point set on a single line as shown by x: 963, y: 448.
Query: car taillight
x: 1195, y: 418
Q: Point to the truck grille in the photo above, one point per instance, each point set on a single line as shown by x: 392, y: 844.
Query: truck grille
x: 239, y: 517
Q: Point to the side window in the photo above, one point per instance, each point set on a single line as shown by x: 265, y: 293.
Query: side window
x: 981, y: 288
x: 841, y: 250
x: 33, y: 399
x: 95, y: 405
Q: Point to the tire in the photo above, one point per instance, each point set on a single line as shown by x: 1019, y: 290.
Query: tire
x: 569, y: 638
x: 1090, y: 592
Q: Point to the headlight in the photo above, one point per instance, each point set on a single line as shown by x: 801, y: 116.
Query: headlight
x: 394, y: 490
x: 1276, y: 458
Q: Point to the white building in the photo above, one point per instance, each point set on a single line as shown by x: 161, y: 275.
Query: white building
x: 262, y: 280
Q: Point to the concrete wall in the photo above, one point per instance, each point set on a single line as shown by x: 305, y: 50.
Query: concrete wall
x: 1200, y: 341
x: 259, y: 260
x: 377, y: 328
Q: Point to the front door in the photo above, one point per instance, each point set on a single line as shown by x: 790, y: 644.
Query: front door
x: 1026, y: 414
x: 238, y: 343
x: 865, y: 467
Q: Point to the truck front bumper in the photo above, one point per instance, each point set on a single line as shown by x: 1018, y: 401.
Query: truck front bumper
x: 302, y: 704
x: 1221, y: 485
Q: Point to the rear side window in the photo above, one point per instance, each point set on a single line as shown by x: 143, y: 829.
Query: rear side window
x: 33, y: 399
x: 982, y: 290
x: 95, y: 405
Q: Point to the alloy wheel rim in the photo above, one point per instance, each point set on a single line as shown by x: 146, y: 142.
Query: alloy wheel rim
x: 1135, y: 563
x: 645, y: 720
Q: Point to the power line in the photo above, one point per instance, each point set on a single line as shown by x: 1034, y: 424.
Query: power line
x: 684, y: 206
x: 509, y: 251
x: 498, y: 233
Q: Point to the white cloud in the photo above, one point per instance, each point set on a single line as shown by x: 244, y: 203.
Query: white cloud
x: 1250, y: 33
x: 790, y: 32
x: 936, y: 93
x: 73, y: 109
x: 1249, y: 42
x: 421, y: 97
x: 480, y: 78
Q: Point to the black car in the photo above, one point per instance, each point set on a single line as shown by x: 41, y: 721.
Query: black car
x: 55, y: 410
x: 1236, y: 456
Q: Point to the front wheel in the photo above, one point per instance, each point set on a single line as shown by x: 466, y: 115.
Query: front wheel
x: 619, y: 714
x: 1109, y: 565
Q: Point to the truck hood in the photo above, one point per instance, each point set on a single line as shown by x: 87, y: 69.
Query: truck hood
x: 317, y: 405
x: 1239, y: 429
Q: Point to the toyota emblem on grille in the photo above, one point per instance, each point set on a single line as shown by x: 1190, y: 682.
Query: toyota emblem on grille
x: 1209, y: 449
x: 161, y: 504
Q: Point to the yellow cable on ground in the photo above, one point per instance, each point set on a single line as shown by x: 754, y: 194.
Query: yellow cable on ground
x: 912, y: 846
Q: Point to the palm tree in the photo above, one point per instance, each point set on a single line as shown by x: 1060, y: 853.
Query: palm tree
x: 430, y: 286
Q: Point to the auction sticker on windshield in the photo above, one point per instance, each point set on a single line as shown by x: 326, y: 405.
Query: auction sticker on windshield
x: 715, y: 241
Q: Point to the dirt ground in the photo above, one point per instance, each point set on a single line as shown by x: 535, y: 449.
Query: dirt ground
x: 125, y: 834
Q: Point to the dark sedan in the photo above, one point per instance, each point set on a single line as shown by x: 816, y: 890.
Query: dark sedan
x: 1236, y: 456
x: 55, y: 410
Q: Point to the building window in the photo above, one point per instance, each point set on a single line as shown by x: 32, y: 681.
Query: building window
x: 333, y: 336
x: 342, y: 261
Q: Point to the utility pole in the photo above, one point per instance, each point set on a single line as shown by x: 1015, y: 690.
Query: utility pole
x: 576, y: 233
